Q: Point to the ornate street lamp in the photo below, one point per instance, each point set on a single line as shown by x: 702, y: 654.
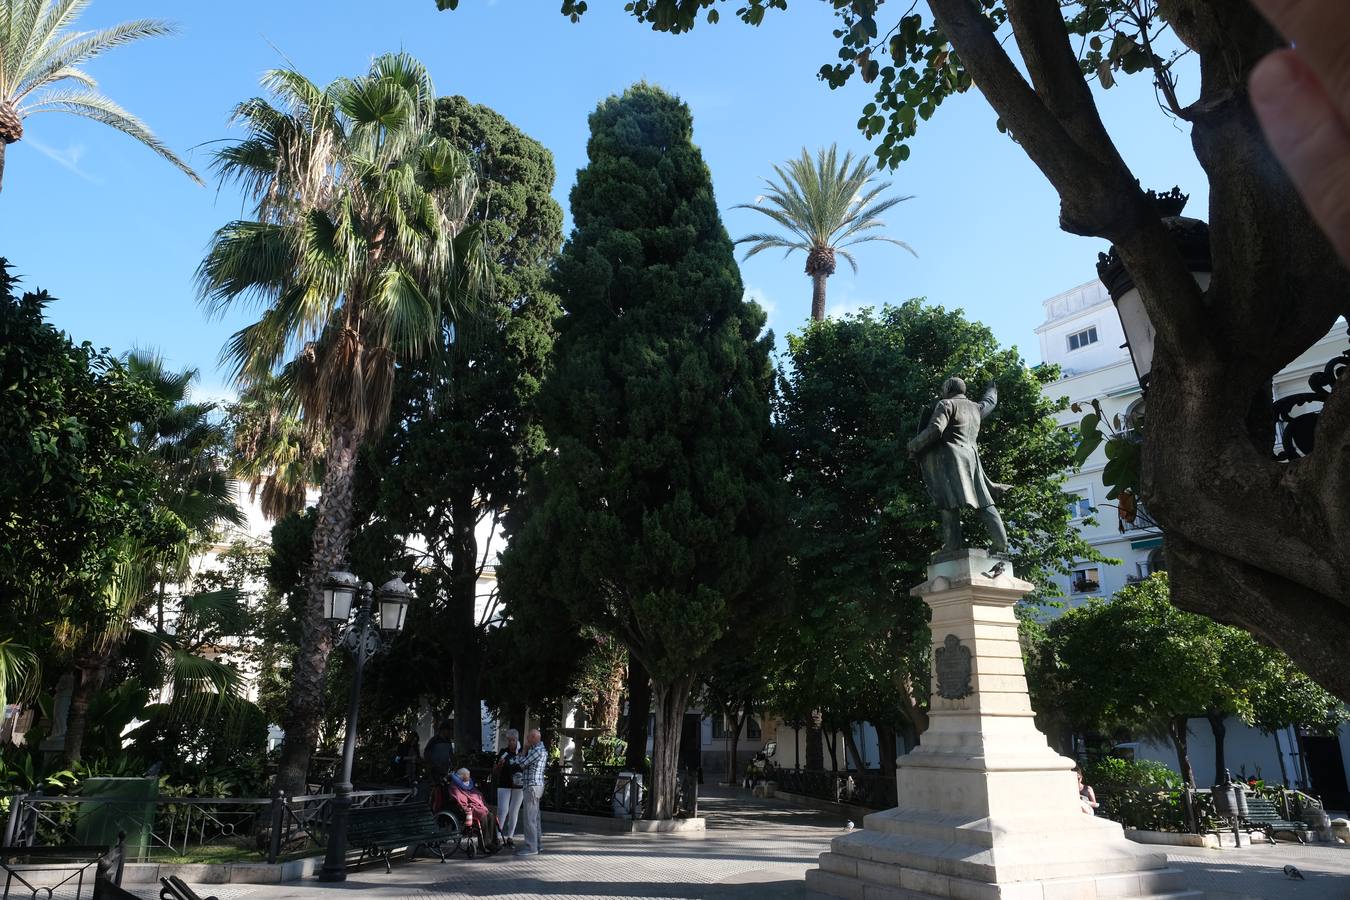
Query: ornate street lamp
x: 338, y: 593
x: 362, y: 638
x: 395, y: 597
x: 1192, y: 239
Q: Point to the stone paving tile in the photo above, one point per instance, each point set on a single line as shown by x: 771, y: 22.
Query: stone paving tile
x: 751, y: 850
x: 1257, y: 871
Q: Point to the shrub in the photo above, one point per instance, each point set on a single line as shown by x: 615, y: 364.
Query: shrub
x: 1111, y: 773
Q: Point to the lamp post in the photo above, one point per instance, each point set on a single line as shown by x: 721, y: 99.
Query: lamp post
x: 1192, y: 239
x: 363, y: 640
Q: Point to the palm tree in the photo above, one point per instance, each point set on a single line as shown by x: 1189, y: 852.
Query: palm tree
x: 40, y: 59
x: 826, y: 205
x: 361, y: 255
x: 275, y: 450
x: 185, y: 445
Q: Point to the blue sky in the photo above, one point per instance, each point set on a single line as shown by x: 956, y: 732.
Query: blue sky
x: 115, y: 233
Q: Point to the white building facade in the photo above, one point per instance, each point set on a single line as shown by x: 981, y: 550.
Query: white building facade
x: 1082, y: 334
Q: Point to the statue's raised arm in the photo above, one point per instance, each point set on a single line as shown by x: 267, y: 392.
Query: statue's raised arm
x: 950, y: 463
x: 989, y: 400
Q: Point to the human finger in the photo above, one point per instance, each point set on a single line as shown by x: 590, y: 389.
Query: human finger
x: 1320, y: 30
x: 1308, y: 137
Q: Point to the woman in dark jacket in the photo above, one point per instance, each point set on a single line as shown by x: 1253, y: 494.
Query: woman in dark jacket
x: 510, y: 788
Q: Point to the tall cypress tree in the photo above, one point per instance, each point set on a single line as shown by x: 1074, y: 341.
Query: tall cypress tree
x: 657, y: 512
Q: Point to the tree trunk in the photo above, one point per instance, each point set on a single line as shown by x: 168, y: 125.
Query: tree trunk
x: 1220, y: 730
x: 467, y: 663
x: 911, y: 704
x: 886, y: 749
x: 552, y: 718
x: 608, y: 701
x: 1178, y: 730
x: 738, y: 720
x: 88, y: 678
x: 639, y: 711
x: 3, y: 147
x: 832, y: 747
x: 670, y: 701
x: 851, y: 747
x: 332, y: 533
x: 815, y: 743
x: 818, y: 296
x: 514, y: 717
x: 1279, y: 755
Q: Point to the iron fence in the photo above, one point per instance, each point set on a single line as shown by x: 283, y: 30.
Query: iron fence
x: 196, y: 827
x: 865, y: 788
x: 610, y: 791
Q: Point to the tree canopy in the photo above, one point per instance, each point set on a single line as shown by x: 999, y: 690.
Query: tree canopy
x: 1138, y: 663
x: 74, y: 481
x: 854, y: 392
x: 651, y: 512
x: 1252, y: 540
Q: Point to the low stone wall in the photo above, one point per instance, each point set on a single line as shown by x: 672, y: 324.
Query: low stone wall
x: 1171, y: 838
x: 223, y: 873
x: 846, y: 811
x: 611, y: 825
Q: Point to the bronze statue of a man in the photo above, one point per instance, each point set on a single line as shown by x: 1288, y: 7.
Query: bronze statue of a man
x: 950, y: 463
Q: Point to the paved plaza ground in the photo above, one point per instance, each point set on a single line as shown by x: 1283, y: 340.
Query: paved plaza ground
x: 752, y: 849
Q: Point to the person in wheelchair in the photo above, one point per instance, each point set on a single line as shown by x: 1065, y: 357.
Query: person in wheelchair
x: 478, y: 823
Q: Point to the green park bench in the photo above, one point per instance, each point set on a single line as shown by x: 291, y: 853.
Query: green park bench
x: 378, y: 831
x: 1264, y: 817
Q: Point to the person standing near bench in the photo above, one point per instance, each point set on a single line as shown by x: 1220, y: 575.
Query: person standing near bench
x: 532, y: 763
x: 510, y: 782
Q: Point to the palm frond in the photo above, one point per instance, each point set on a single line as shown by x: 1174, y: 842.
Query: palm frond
x: 249, y: 260
x: 20, y: 673
x: 201, y: 688
x: 93, y: 105
x: 881, y: 237
x: 823, y: 202
x: 405, y: 71
x: 79, y: 48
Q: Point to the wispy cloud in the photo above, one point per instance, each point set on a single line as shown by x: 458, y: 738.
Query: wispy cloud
x: 215, y: 393
x: 840, y: 310
x: 758, y: 296
x: 68, y: 158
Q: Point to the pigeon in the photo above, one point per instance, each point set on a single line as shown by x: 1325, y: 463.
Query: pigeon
x: 1291, y: 872
x: 996, y: 571
x: 850, y: 826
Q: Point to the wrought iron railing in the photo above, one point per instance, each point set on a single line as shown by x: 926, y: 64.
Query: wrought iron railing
x: 866, y: 788
x: 609, y: 791
x: 167, y: 827
x: 593, y: 791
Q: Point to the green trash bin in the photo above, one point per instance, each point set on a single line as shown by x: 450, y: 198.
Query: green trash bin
x: 124, y: 805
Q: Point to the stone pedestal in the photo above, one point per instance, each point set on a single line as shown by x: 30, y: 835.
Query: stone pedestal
x: 987, y: 810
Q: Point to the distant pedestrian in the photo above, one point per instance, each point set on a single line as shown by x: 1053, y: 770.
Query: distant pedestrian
x: 440, y: 752
x: 407, y: 758
x: 532, y: 763
x: 1087, y: 797
x: 510, y: 781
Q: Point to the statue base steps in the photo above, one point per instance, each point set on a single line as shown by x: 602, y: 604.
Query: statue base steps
x: 903, y: 855
x: 988, y: 811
